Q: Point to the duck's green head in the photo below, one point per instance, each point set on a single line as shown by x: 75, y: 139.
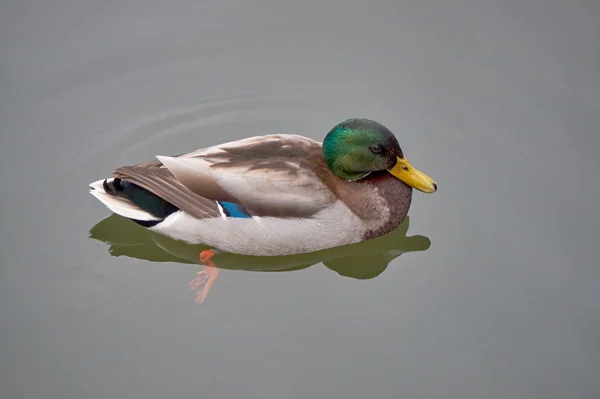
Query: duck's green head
x: 356, y: 147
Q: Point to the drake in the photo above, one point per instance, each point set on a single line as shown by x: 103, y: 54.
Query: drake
x: 272, y: 195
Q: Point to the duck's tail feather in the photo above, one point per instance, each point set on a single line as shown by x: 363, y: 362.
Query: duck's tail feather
x: 132, y: 201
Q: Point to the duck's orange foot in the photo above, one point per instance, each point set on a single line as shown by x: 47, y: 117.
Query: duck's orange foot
x: 206, y: 256
x: 201, y: 285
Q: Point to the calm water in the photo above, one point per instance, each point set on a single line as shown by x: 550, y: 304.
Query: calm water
x: 490, y: 290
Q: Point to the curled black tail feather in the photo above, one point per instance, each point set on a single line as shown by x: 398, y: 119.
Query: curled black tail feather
x: 116, y: 186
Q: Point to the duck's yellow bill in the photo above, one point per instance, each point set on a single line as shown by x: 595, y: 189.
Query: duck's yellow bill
x: 418, y: 180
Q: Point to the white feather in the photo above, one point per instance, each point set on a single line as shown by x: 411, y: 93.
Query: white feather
x: 267, y: 236
x: 221, y: 210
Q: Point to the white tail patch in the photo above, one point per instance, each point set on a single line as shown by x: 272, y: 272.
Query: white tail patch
x: 118, y: 205
x: 99, y: 185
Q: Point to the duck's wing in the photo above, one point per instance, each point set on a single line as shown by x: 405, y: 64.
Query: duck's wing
x: 275, y: 175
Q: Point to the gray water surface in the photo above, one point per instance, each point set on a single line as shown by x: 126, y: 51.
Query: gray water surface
x: 489, y: 291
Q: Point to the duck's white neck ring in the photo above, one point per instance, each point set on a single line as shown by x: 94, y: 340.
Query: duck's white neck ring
x: 360, y: 177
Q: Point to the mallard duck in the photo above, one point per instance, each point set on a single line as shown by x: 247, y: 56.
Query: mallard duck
x: 278, y: 194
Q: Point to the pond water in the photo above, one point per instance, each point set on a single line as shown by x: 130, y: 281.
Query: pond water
x: 488, y: 290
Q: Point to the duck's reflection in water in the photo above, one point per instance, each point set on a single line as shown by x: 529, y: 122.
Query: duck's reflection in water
x: 364, y: 260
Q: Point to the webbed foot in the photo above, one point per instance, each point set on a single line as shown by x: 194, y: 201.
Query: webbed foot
x: 205, y: 278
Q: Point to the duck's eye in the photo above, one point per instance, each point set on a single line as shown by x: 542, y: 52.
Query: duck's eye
x: 376, y: 149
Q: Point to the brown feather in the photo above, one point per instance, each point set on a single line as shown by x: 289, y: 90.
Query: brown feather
x: 162, y: 183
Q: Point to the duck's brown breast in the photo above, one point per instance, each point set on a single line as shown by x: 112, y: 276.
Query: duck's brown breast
x: 381, y: 201
x: 395, y: 197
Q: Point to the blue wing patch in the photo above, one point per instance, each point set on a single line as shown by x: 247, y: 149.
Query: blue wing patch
x: 234, y: 210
